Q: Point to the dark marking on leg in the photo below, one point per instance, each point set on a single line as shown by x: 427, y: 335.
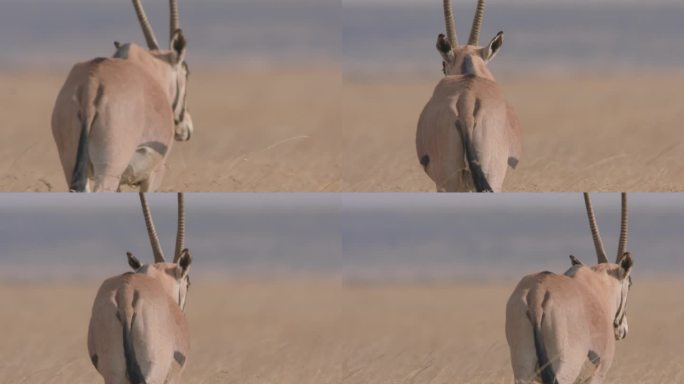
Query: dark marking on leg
x: 179, y: 357
x: 425, y: 161
x: 156, y: 146
x: 93, y: 359
x: 512, y: 162
x: 594, y: 358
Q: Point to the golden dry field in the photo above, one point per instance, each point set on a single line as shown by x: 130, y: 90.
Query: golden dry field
x: 614, y: 132
x: 242, y: 332
x: 306, y: 130
x: 319, y: 331
x: 454, y: 333
x: 254, y: 131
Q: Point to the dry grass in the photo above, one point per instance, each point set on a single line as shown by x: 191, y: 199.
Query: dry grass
x: 254, y: 131
x: 454, y: 333
x: 582, y: 132
x: 309, y: 131
x: 317, y: 332
x: 242, y: 332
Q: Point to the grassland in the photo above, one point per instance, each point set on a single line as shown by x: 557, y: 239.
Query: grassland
x: 320, y: 331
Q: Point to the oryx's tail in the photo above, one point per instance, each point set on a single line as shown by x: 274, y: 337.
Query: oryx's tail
x: 88, y: 96
x: 79, y: 176
x: 127, y: 317
x: 466, y: 125
x: 548, y: 376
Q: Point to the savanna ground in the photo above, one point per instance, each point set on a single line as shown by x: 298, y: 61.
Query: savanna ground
x: 309, y: 130
x: 254, y: 131
x: 321, y: 331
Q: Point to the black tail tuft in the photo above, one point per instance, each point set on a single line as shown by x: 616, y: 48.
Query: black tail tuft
x: 133, y: 371
x: 79, y: 177
x: 479, y: 178
x: 548, y: 376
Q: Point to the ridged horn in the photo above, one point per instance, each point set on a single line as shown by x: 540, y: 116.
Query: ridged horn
x: 174, y: 19
x: 145, y: 25
x: 595, y: 234
x: 623, y: 228
x: 474, y: 38
x: 450, y: 24
x: 151, y: 231
x: 180, y: 232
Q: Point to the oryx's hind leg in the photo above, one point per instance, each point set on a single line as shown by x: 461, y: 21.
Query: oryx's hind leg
x: 106, y: 183
x: 153, y: 181
x: 523, y: 355
x: 145, y: 168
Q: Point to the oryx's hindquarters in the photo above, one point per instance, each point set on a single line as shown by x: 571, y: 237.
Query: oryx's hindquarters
x: 468, y: 135
x: 563, y: 328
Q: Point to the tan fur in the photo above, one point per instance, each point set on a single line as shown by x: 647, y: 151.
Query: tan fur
x: 578, y: 317
x: 125, y: 110
x: 159, y: 330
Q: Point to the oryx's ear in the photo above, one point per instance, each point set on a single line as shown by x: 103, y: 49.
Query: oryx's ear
x: 133, y: 261
x: 183, y: 263
x: 490, y: 51
x: 626, y: 263
x: 444, y: 48
x: 575, y: 261
x: 178, y: 45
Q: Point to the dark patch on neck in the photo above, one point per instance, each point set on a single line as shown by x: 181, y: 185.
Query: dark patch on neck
x: 179, y: 357
x: 468, y: 67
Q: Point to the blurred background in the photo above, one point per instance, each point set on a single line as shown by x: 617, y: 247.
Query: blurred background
x: 382, y: 36
x: 264, y: 34
x: 404, y: 237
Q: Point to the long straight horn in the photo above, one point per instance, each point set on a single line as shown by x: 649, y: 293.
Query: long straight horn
x: 450, y: 24
x: 180, y: 232
x: 174, y: 19
x: 598, y: 244
x: 145, y: 25
x: 474, y: 38
x: 623, y: 228
x: 151, y: 232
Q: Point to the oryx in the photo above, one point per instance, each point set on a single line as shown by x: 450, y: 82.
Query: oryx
x: 138, y: 333
x: 563, y: 327
x: 467, y: 133
x: 115, y: 119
